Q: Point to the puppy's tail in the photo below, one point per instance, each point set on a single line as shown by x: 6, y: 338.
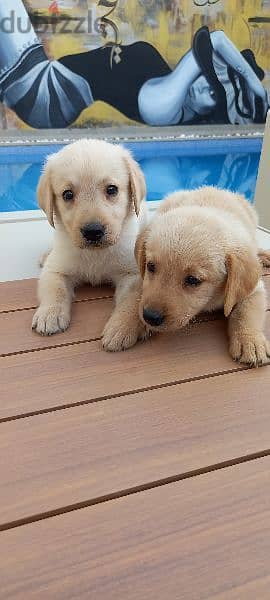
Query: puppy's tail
x: 264, y: 257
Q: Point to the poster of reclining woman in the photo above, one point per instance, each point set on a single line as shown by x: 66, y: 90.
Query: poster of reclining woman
x: 79, y: 63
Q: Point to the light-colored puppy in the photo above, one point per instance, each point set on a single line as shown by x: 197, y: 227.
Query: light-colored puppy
x: 93, y: 194
x: 200, y: 254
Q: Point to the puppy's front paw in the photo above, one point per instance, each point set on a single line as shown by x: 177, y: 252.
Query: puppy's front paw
x: 51, y: 319
x: 252, y: 349
x: 119, y: 334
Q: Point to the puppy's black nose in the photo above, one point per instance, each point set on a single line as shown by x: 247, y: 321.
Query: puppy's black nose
x: 153, y: 317
x: 93, y: 232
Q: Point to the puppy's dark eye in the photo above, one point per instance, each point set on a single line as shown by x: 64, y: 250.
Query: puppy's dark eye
x: 68, y: 195
x: 151, y: 267
x: 111, y: 190
x: 191, y: 281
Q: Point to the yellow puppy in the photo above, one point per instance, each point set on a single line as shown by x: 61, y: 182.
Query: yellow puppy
x: 200, y: 254
x: 93, y: 194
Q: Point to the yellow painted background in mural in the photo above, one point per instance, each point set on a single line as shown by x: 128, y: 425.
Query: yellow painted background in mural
x: 169, y: 25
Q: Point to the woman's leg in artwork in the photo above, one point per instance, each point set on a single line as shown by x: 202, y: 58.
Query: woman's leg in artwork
x: 43, y: 93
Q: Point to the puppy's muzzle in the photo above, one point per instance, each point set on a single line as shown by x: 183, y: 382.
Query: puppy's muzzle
x: 153, y: 317
x: 93, y: 233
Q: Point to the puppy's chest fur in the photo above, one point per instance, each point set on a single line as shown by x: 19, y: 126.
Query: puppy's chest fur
x: 97, y: 265
x: 108, y: 264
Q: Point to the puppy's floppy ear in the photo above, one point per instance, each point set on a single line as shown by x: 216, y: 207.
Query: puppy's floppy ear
x: 45, y: 194
x: 140, y: 251
x: 243, y: 274
x: 137, y: 187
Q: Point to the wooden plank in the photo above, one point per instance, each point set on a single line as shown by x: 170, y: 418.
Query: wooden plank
x: 205, y: 537
x: 88, y: 320
x: 18, y: 295
x: 64, y: 376
x: 266, y: 281
x: 93, y: 451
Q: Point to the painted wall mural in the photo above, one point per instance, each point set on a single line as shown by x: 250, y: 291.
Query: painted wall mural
x: 85, y: 63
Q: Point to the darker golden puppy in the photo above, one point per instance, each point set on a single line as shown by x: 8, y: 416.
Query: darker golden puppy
x: 200, y: 254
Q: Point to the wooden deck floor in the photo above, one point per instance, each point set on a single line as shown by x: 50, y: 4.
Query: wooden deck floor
x: 141, y: 475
